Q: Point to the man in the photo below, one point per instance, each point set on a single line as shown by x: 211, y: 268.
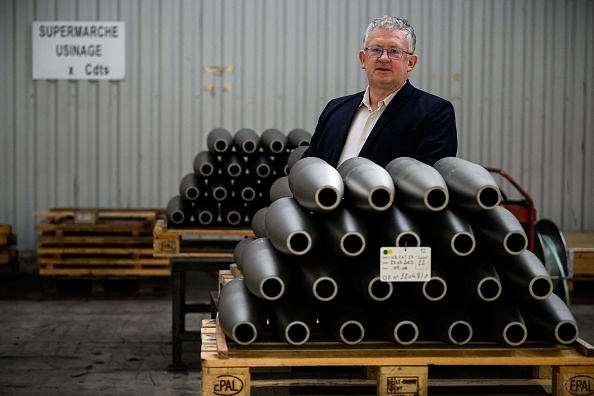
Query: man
x: 391, y: 118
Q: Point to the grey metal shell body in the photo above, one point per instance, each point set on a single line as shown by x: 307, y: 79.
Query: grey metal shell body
x: 505, y: 325
x: 525, y: 276
x: 344, y: 232
x: 239, y: 250
x: 266, y: 271
x: 280, y: 189
x: 551, y: 319
x: 298, y: 137
x: 273, y: 141
x: 292, y: 322
x: 240, y: 313
x: 499, y: 232
x: 219, y: 188
x: 320, y: 279
x: 417, y: 185
x: 178, y: 211
x: 396, y: 227
x: 471, y: 186
x: 259, y: 223
x: 232, y: 212
x: 316, y: 185
x: 478, y: 280
x: 246, y: 141
x: 400, y: 324
x: 367, y: 283
x: 454, y: 325
x: 232, y: 165
x: 260, y: 166
x: 435, y: 288
x: 246, y: 189
x: 295, y: 156
x: 346, y: 323
x: 219, y: 141
x: 205, y: 211
x: 205, y: 164
x: 368, y: 186
x: 452, y: 234
x: 191, y: 187
x: 291, y: 228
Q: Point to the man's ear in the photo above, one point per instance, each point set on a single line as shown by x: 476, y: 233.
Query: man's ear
x: 412, y: 62
x: 362, y: 58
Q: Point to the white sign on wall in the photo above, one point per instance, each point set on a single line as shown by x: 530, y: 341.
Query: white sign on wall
x: 76, y: 50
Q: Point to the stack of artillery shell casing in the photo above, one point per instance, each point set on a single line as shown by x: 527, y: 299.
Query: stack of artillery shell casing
x: 314, y: 264
x: 231, y: 179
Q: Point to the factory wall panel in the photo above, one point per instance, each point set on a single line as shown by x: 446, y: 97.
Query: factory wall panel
x: 520, y: 75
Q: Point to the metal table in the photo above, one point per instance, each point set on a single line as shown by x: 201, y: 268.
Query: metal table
x: 179, y: 267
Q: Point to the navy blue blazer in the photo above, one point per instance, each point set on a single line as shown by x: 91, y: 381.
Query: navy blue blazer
x: 415, y: 124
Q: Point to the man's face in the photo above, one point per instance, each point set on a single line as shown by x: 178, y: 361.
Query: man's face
x: 385, y: 74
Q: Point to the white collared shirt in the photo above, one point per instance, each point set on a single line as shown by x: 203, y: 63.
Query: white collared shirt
x: 363, y: 123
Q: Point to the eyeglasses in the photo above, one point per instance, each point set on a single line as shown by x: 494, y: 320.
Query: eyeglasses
x: 393, y: 53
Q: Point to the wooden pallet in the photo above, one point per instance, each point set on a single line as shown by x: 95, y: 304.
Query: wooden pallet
x: 8, y: 256
x: 231, y: 369
x: 8, y: 250
x: 580, y: 247
x: 54, y: 230
x: 196, y: 242
x: 115, y: 243
x: 7, y: 238
x: 228, y: 275
x: 100, y: 261
x: 9, y: 259
x: 92, y: 215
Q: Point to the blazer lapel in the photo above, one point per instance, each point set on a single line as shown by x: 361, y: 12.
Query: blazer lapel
x: 347, y: 115
x: 393, y: 108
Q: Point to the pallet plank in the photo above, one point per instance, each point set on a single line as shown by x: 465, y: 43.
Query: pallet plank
x: 48, y: 240
x: 221, y: 341
x: 102, y: 212
x: 100, y: 261
x: 101, y: 272
x: 94, y: 250
x: 48, y: 226
x: 196, y: 242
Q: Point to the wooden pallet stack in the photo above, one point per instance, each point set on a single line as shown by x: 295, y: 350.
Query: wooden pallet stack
x: 8, y: 250
x: 98, y: 242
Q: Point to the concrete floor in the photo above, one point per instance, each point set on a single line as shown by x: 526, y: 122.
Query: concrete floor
x: 83, y: 343
x: 90, y: 347
x: 113, y: 343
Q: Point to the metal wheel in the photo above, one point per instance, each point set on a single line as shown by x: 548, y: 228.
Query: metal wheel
x: 552, y: 250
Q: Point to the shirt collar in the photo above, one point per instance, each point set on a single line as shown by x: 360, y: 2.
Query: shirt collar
x: 382, y: 103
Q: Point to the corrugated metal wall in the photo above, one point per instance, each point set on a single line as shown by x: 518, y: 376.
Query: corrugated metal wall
x: 519, y: 72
